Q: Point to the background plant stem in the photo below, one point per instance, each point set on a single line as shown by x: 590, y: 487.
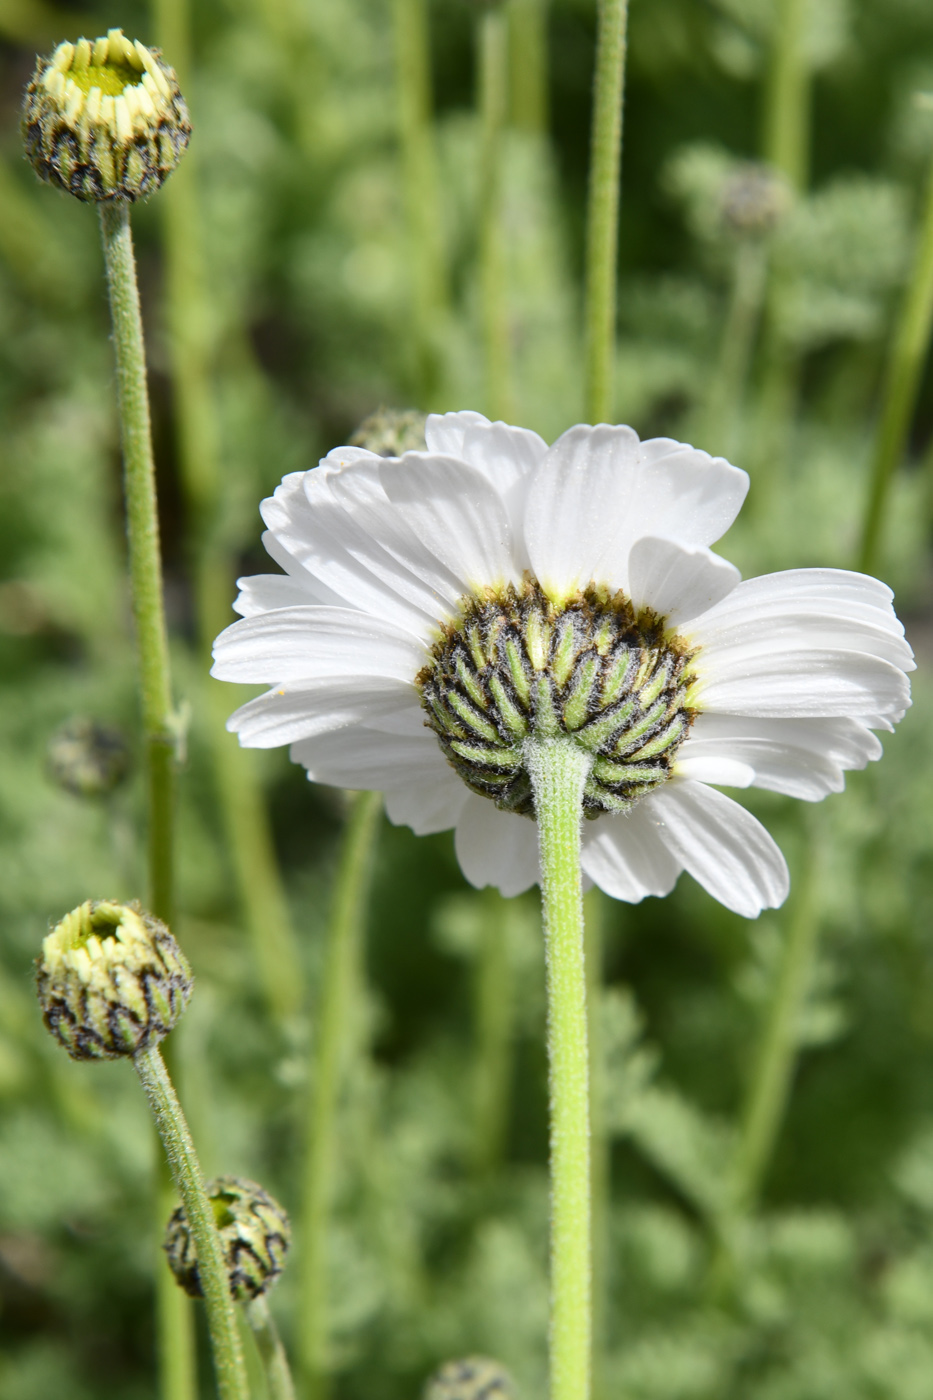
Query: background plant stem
x: 906, y: 359
x: 269, y: 1343
x: 419, y: 183
x: 493, y: 1031
x: 749, y: 274
x: 558, y: 770
x: 493, y: 104
x: 212, y: 1269
x: 334, y: 1034
x: 602, y: 219
x: 528, y: 65
x: 786, y: 136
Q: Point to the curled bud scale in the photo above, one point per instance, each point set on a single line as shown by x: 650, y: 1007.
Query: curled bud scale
x: 105, y: 120
x: 111, y: 980
x: 254, y: 1234
x: 470, y: 1378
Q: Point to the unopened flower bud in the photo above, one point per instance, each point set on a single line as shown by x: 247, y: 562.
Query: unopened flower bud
x: 471, y: 1378
x: 111, y: 980
x: 391, y: 431
x: 254, y: 1235
x: 754, y: 199
x: 105, y: 120
x: 87, y: 758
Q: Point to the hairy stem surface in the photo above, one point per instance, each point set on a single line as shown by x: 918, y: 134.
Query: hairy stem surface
x: 170, y: 1121
x: 559, y: 770
x: 602, y: 219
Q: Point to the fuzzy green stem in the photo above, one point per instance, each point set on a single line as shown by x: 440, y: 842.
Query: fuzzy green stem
x: 786, y: 138
x: 738, y: 338
x: 174, y: 1321
x: 179, y: 1149
x: 144, y: 557
x: 493, y: 1032
x: 594, y: 910
x: 419, y: 186
x: 493, y: 100
x: 776, y: 1057
x: 558, y: 771
x: 602, y: 219
x: 274, y: 1360
x: 177, y: 1350
x: 901, y: 383
x: 528, y: 51
x: 334, y: 1019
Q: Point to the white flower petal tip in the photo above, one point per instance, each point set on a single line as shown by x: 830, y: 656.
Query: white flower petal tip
x: 677, y: 581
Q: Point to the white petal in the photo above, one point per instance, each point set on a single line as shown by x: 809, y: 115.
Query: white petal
x: 678, y: 581
x: 723, y: 847
x: 266, y: 592
x: 296, y: 644
x: 793, y: 592
x: 496, y: 848
x: 317, y: 534
x: 299, y: 711
x: 432, y: 803
x: 803, y: 683
x: 600, y: 489
x: 803, y: 758
x: 718, y: 768
x: 505, y: 455
x: 626, y: 859
x: 356, y: 757
x: 457, y: 514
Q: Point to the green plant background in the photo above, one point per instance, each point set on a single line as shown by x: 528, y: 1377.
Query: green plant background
x: 823, y: 1288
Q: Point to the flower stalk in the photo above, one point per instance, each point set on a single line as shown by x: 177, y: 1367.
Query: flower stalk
x: 419, y: 183
x: 528, y: 51
x: 786, y: 136
x: 179, y: 1149
x: 901, y: 384
x: 334, y: 1017
x: 493, y: 103
x: 271, y: 1351
x: 559, y: 769
x: 144, y: 555
x: 602, y: 220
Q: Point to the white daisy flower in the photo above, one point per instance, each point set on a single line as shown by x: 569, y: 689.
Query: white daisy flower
x: 440, y: 608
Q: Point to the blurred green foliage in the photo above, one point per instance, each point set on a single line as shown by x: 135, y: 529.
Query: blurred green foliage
x: 824, y: 1288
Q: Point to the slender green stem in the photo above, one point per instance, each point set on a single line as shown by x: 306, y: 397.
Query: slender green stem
x: 145, y: 560
x: 174, y: 1321
x: 738, y: 338
x: 901, y: 383
x: 778, y: 1047
x: 274, y: 1360
x: 493, y: 100
x: 528, y: 51
x: 179, y: 1149
x: 493, y: 1031
x: 419, y: 183
x: 594, y: 910
x: 177, y: 1349
x: 334, y: 1036
x: 558, y: 770
x: 602, y: 217
x: 786, y: 138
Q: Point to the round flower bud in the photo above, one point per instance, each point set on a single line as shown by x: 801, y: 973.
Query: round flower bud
x: 471, y: 1378
x: 111, y: 980
x: 254, y: 1233
x: 87, y: 758
x: 105, y: 120
x: 391, y: 431
x: 754, y: 199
